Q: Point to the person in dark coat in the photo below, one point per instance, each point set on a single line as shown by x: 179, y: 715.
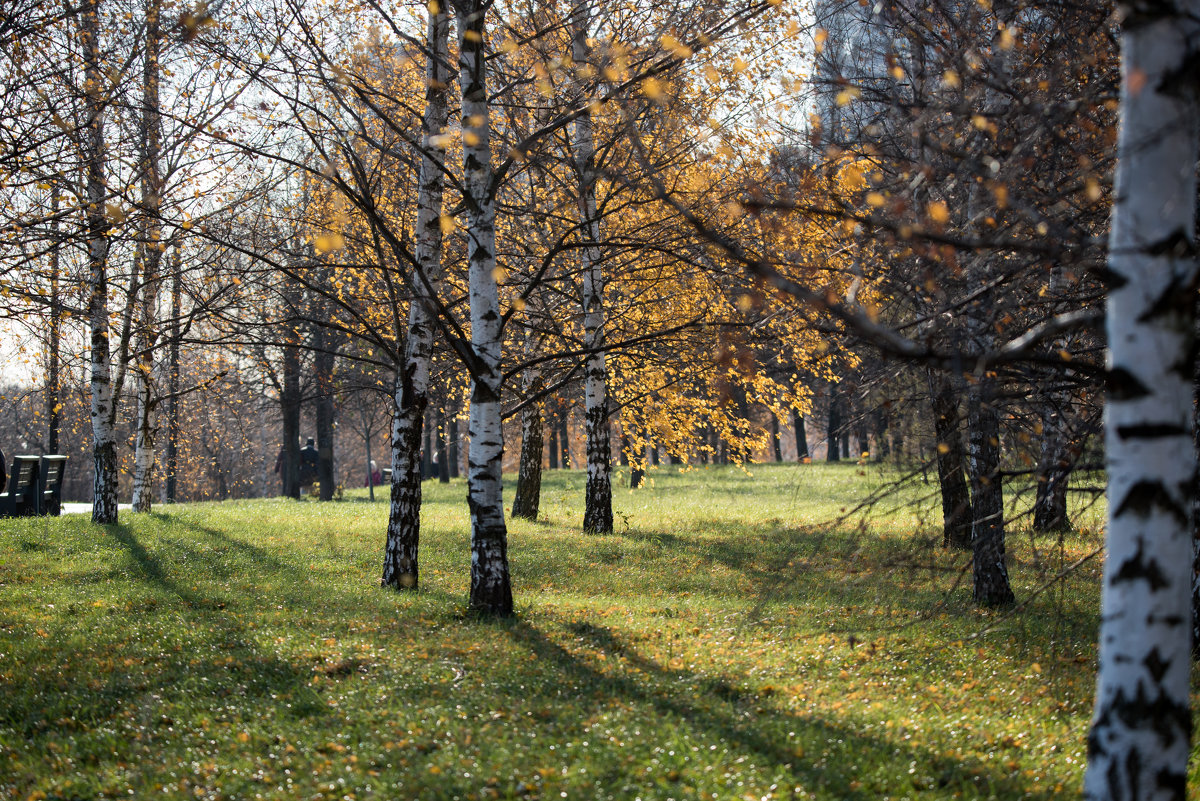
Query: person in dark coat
x: 3, y: 473
x: 308, y: 465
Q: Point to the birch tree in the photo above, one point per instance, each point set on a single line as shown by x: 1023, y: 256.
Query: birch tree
x: 411, y: 390
x: 1140, y: 736
x: 151, y: 258
x: 491, y: 589
x: 103, y: 400
x: 597, y: 515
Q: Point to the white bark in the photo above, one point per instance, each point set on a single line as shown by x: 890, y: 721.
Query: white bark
x: 143, y: 462
x: 597, y: 516
x: 1139, y: 742
x: 411, y: 391
x: 491, y: 591
x: 104, y: 446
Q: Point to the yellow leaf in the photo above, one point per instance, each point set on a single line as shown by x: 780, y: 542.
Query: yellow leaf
x: 875, y: 199
x: 1001, y: 193
x: 471, y: 139
x: 848, y: 95
x: 676, y: 47
x: 499, y: 274
x: 472, y: 36
x: 939, y: 212
x: 951, y: 79
x: 739, y: 66
x: 447, y: 224
x: 327, y: 243
x: 652, y: 88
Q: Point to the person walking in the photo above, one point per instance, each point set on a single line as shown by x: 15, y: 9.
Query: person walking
x: 308, y: 466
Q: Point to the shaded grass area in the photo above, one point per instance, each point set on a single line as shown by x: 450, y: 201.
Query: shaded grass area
x: 725, y: 642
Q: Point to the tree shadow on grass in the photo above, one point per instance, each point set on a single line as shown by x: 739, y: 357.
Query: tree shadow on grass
x: 744, y: 719
x: 88, y: 674
x: 798, y: 563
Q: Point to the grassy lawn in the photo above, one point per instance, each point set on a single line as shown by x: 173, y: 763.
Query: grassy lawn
x: 725, y: 642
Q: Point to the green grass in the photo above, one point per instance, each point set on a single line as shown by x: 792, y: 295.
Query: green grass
x: 724, y: 643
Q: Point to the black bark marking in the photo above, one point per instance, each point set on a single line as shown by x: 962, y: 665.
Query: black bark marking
x: 1156, y: 665
x: 1174, y: 783
x: 1150, y: 431
x: 1133, y: 769
x: 1176, y: 243
x: 1177, y: 297
x: 1163, y: 716
x: 1138, y: 567
x: 1144, y: 496
x: 1123, y: 385
x: 482, y: 393
x: 1111, y: 280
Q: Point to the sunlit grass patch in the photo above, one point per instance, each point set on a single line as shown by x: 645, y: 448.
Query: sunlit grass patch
x: 725, y: 642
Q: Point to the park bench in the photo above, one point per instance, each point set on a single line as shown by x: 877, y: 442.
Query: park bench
x: 24, y: 482
x: 52, y: 478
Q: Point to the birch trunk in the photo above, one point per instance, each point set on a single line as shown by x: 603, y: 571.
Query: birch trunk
x: 491, y: 589
x: 527, y: 498
x: 1054, y: 470
x: 1196, y: 497
x: 1139, y: 742
x: 411, y: 390
x: 172, y: 482
x: 833, y: 427
x: 54, y: 337
x: 637, y: 463
x: 104, y: 445
x: 443, y: 466
x: 1056, y: 460
x: 597, y: 515
x: 776, y: 444
x: 426, y: 447
x: 801, y: 436
x: 989, y: 569
x: 143, y: 461
x: 400, y: 559
x: 325, y: 412
x: 290, y: 409
x: 956, y: 497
